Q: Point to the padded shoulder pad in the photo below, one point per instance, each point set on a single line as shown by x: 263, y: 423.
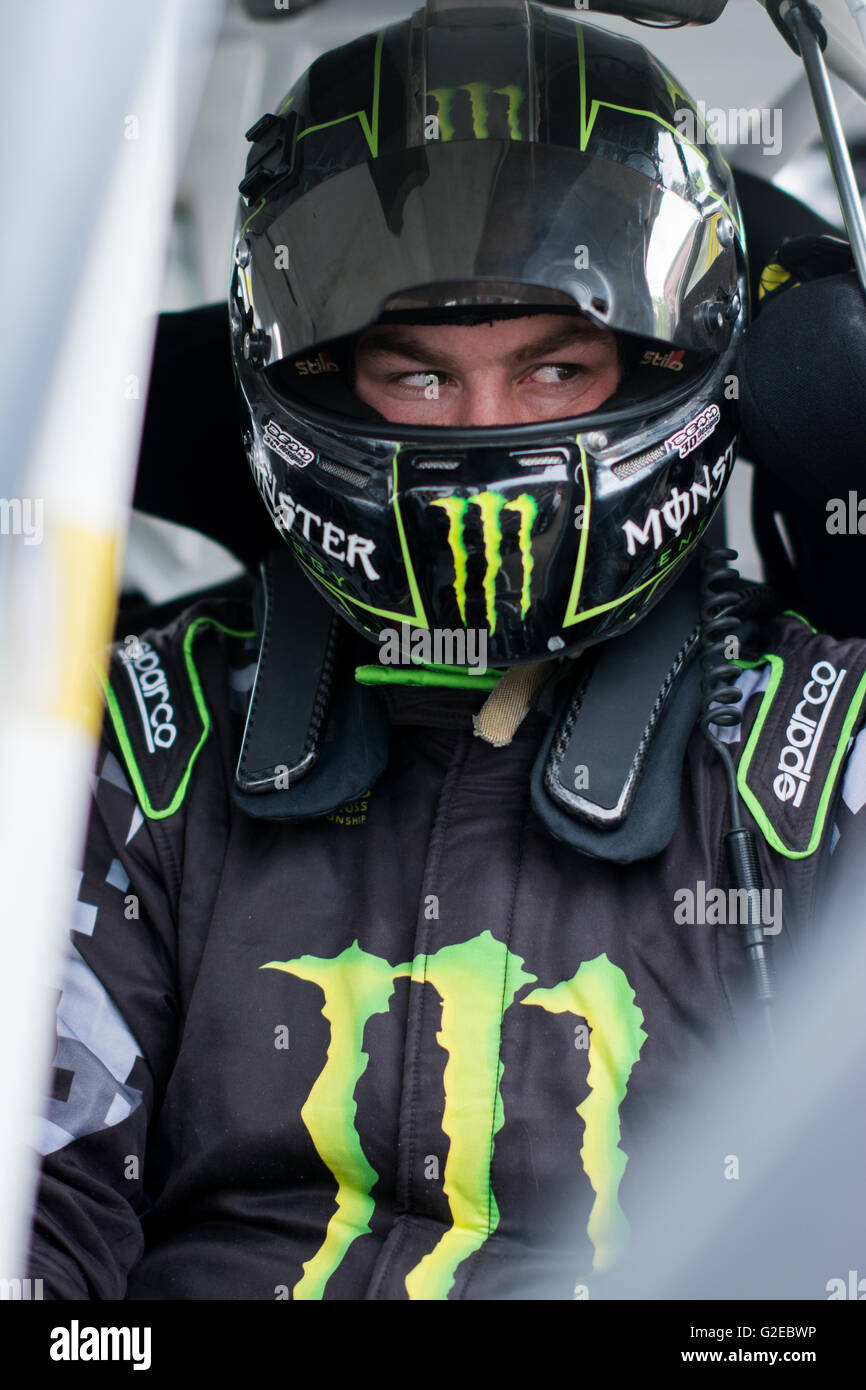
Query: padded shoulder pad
x: 156, y: 702
x: 797, y: 735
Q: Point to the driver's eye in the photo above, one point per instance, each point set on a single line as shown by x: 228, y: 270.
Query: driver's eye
x: 422, y: 379
x: 567, y: 371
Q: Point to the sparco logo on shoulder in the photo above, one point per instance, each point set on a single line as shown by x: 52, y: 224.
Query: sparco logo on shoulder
x: 805, y: 731
x: 149, y: 683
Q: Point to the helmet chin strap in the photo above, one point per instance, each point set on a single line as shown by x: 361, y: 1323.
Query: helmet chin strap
x: 509, y: 702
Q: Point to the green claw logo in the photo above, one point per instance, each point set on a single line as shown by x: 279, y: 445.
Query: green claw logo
x: 477, y: 982
x: 490, y: 505
x: 479, y: 94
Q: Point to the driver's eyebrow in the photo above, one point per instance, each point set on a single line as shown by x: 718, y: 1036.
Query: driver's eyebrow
x: 556, y: 339
x: 397, y: 343
x: 386, y: 343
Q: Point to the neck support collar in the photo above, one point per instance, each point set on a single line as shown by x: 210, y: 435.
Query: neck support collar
x: 607, y: 777
x: 606, y: 780
x: 314, y: 739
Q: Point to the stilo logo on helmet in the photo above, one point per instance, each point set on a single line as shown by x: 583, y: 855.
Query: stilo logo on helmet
x: 555, y: 133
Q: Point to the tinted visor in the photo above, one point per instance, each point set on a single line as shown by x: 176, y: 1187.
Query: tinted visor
x: 431, y: 222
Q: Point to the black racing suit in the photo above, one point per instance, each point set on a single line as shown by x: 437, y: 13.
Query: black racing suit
x: 409, y: 1049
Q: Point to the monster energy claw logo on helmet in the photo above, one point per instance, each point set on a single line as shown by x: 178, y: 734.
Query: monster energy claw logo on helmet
x: 489, y: 506
x: 477, y: 101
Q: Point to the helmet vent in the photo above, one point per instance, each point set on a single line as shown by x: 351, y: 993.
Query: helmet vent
x: 344, y: 473
x: 632, y: 466
x: 538, y: 460
x: 436, y: 463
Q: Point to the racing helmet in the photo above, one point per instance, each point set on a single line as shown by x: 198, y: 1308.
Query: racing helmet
x: 467, y: 163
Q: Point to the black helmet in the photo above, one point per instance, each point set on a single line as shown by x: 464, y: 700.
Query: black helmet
x: 488, y: 160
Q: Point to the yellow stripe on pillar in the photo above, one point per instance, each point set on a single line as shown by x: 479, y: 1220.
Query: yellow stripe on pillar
x: 85, y: 606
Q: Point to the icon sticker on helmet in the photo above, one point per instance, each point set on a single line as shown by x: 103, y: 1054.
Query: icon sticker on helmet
x: 285, y: 444
x: 695, y: 432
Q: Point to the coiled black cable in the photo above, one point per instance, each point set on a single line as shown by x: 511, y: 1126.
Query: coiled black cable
x: 720, y: 604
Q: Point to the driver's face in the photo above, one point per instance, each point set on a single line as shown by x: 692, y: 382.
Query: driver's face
x: 508, y: 372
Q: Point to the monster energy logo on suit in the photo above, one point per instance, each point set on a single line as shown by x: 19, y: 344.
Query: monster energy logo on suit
x: 490, y: 506
x: 477, y: 981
